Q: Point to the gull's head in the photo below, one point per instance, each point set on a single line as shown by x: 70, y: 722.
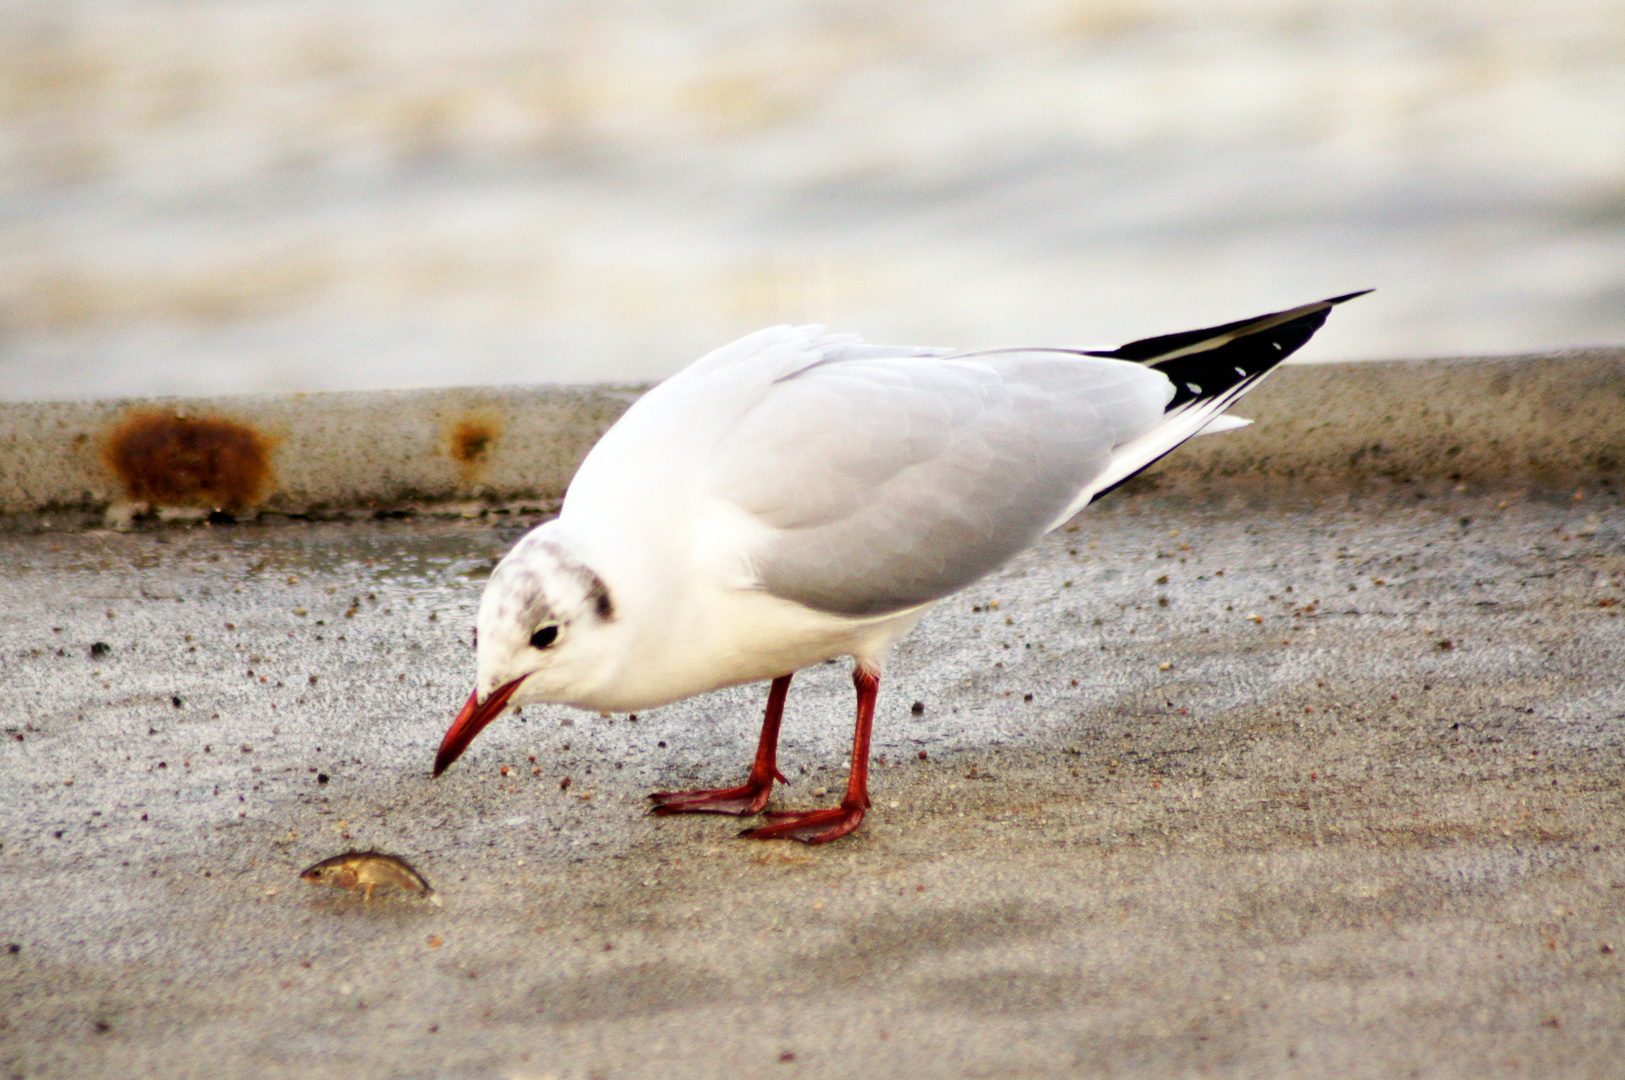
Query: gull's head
x: 546, y: 631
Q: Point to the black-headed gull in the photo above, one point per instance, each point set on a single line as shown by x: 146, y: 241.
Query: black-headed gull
x: 798, y: 496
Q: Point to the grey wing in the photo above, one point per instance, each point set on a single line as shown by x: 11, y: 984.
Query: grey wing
x: 891, y: 482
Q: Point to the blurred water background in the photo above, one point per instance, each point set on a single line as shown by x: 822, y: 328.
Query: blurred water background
x: 207, y: 197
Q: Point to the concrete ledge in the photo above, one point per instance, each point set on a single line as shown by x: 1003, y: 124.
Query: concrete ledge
x: 300, y: 453
x: 1552, y: 421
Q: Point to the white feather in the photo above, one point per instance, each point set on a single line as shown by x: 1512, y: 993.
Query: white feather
x: 1224, y: 423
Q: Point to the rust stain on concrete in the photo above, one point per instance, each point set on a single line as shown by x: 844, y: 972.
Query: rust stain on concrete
x: 469, y: 441
x: 172, y: 460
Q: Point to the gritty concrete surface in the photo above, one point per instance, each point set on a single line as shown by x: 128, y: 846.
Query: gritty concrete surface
x: 1327, y: 788
x: 1513, y: 421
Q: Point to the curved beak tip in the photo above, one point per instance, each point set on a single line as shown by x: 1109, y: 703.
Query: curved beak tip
x: 470, y: 721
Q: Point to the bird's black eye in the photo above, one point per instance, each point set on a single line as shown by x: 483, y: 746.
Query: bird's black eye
x: 544, y: 637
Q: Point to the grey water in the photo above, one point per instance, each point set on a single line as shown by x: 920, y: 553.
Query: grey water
x: 211, y: 197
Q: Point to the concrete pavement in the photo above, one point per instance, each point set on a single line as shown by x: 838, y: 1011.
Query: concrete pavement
x: 1303, y: 785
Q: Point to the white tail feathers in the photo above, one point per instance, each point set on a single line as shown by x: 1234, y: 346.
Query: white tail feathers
x: 1223, y: 423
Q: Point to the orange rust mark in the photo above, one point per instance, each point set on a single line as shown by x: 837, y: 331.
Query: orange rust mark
x: 470, y: 441
x: 189, y: 461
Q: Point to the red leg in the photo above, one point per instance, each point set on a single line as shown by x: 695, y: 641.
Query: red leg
x: 822, y: 826
x: 751, y: 796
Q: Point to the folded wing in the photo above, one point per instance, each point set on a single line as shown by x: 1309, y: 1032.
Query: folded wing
x: 876, y: 479
x: 887, y: 483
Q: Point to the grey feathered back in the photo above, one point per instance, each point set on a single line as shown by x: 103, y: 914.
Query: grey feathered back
x: 896, y: 481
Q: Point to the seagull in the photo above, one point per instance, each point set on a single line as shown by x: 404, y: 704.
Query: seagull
x: 799, y: 496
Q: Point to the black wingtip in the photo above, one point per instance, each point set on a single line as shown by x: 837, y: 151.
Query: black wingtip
x: 1155, y: 350
x: 1211, y: 368
x: 1226, y: 361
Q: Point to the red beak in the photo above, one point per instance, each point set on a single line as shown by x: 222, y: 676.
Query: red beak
x: 470, y: 722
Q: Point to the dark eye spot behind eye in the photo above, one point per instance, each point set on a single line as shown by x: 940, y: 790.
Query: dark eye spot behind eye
x: 544, y: 637
x: 601, y: 601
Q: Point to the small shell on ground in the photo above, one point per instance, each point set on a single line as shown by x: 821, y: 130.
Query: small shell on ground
x: 369, y: 870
